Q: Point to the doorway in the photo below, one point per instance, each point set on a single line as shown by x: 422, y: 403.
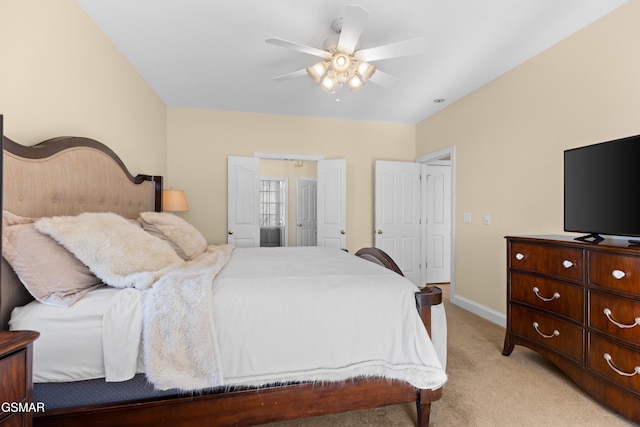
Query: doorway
x: 294, y: 200
x: 243, y: 199
x: 274, y: 202
x: 414, y: 215
x: 446, y: 256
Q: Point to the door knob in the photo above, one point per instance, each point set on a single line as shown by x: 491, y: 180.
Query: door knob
x: 230, y: 231
x: 343, y: 232
x: 379, y: 231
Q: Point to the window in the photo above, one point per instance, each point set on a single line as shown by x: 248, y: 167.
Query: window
x: 272, y: 202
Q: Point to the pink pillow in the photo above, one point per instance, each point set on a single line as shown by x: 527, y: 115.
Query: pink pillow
x: 51, y: 274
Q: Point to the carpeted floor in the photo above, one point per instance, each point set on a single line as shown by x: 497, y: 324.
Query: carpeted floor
x: 488, y: 389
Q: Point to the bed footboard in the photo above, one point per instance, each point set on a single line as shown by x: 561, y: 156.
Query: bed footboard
x: 425, y: 299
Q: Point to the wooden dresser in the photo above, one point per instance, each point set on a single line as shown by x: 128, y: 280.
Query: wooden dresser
x: 16, y: 385
x: 578, y: 304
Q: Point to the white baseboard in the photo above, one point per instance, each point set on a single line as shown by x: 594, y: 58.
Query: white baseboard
x: 480, y: 310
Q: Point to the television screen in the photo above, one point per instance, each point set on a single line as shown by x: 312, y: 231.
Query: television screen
x: 602, y: 188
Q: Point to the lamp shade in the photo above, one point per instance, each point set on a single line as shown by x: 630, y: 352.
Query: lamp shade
x: 174, y: 201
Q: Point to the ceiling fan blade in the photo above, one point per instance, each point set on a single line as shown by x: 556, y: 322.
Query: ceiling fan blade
x: 392, y: 50
x: 292, y: 75
x: 383, y: 79
x: 353, y: 23
x: 299, y: 47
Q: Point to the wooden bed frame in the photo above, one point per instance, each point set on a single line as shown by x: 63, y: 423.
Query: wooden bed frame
x: 43, y: 180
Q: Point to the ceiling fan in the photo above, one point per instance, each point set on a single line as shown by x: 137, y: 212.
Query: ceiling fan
x: 342, y: 61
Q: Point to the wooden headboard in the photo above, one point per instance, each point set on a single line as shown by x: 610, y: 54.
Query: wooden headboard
x: 66, y: 176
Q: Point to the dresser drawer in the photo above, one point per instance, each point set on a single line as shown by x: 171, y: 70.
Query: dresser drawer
x: 559, y: 297
x: 13, y: 381
x: 619, y: 364
x: 615, y: 271
x: 548, y: 331
x: 614, y: 315
x: 548, y: 259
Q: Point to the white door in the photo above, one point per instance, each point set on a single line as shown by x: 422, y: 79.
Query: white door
x: 332, y: 203
x: 398, y: 212
x: 306, y: 212
x: 243, y: 201
x: 438, y: 213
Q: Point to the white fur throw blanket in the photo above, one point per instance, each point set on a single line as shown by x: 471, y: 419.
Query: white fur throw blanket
x: 179, y: 336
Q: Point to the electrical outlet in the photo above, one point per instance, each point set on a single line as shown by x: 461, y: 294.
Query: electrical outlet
x: 466, y: 217
x: 486, y: 219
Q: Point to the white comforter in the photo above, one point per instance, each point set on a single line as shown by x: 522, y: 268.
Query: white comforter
x: 318, y: 314
x: 283, y: 314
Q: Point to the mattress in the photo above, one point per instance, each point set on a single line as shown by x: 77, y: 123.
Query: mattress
x: 82, y: 327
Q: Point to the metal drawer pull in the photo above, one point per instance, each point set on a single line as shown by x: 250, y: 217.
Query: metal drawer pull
x: 607, y: 313
x: 536, y: 291
x: 555, y: 331
x: 618, y: 274
x: 519, y: 256
x: 636, y: 370
x: 567, y: 264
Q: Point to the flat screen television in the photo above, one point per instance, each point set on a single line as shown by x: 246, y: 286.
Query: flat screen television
x: 602, y: 189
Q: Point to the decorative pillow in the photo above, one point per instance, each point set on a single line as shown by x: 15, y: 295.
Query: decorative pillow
x: 116, y: 250
x: 51, y: 274
x: 186, y: 240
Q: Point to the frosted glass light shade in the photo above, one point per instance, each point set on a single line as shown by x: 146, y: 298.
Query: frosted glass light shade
x: 327, y: 84
x: 317, y: 71
x: 355, y: 83
x: 366, y: 70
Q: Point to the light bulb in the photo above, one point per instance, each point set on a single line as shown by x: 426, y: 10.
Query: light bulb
x: 341, y: 62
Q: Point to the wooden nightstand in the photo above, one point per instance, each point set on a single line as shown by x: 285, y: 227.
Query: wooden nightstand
x: 16, y: 379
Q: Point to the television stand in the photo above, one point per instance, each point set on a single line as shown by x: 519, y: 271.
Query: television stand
x: 591, y: 238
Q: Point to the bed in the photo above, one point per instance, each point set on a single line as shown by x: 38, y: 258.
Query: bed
x: 70, y: 176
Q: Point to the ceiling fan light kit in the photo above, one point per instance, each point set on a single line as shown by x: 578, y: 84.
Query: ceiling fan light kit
x: 341, y: 69
x: 341, y: 63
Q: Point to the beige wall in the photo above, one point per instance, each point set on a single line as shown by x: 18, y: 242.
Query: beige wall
x: 201, y: 140
x: 61, y: 76
x: 510, y: 136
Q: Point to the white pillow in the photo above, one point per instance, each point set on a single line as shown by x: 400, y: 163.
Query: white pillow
x: 120, y: 253
x: 187, y: 241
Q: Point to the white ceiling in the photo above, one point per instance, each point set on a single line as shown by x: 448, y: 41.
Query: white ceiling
x: 211, y: 54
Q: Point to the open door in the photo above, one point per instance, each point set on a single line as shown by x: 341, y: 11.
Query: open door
x: 243, y: 202
x: 438, y: 211
x: 398, y: 212
x: 332, y: 203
